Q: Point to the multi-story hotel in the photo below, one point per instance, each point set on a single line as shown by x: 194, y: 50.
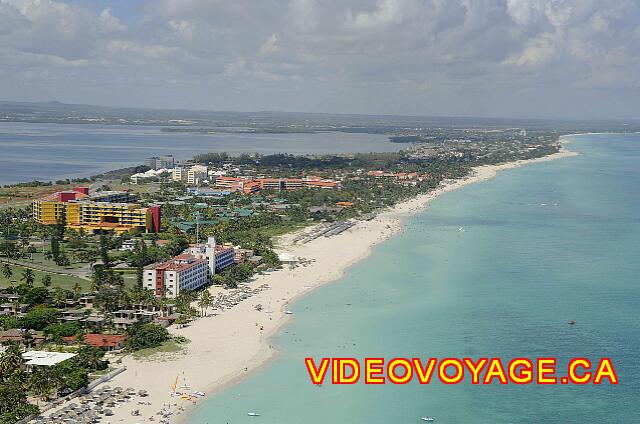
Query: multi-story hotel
x: 105, y: 211
x: 217, y: 257
x: 196, y: 174
x: 249, y: 185
x: 183, y: 272
x: 161, y: 162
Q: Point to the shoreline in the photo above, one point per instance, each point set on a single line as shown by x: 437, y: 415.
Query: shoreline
x: 230, y: 346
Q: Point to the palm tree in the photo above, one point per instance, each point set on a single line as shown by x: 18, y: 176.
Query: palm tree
x: 11, y: 361
x: 27, y: 338
x: 43, y: 381
x: 59, y: 296
x: 205, y: 301
x: 7, y: 271
x: 77, y: 290
x: 16, y: 306
x: 28, y: 276
x: 46, y: 280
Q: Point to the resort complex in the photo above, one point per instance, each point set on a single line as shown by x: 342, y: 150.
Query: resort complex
x: 105, y: 211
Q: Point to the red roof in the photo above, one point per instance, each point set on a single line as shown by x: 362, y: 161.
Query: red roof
x: 183, y: 256
x: 104, y: 340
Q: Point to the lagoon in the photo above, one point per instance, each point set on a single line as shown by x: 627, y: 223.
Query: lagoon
x: 55, y: 151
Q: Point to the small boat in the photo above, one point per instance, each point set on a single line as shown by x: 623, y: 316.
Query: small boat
x: 429, y: 419
x: 198, y: 393
x: 461, y: 229
x: 288, y: 312
x: 571, y: 322
x: 253, y: 414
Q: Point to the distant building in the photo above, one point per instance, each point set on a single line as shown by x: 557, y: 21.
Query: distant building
x: 45, y: 359
x: 208, y: 192
x: 250, y: 185
x: 179, y: 173
x: 152, y: 173
x: 160, y: 162
x: 108, y: 342
x: 196, y: 174
x: 17, y: 335
x: 183, y: 272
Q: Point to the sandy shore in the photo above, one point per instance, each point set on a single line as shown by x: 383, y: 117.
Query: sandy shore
x: 226, y: 347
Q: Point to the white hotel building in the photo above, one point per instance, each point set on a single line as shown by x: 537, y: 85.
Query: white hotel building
x: 183, y: 272
x: 217, y: 257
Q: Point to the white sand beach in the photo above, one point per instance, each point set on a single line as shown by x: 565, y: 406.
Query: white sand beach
x: 227, y: 347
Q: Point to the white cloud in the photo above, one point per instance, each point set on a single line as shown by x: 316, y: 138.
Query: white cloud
x: 270, y: 46
x: 387, y: 13
x: 538, y: 51
x: 382, y: 47
x: 109, y: 22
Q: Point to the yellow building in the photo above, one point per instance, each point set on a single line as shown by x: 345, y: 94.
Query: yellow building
x: 107, y: 211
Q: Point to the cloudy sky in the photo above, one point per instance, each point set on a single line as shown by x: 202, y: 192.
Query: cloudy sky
x: 509, y: 58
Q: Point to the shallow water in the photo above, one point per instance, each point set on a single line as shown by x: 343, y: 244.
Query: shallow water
x: 542, y: 244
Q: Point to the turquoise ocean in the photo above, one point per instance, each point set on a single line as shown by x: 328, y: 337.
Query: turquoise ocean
x: 542, y: 245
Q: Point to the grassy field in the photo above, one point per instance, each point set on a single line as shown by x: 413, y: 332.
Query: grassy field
x: 22, y: 196
x: 160, y: 353
x: 275, y: 231
x: 39, y: 259
x: 57, y: 280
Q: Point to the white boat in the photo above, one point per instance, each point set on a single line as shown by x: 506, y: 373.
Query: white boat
x: 288, y: 312
x: 429, y: 419
x: 253, y: 414
x: 198, y: 393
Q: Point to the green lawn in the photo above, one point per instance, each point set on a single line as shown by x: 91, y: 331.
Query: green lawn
x: 38, y: 259
x: 278, y: 230
x: 169, y: 347
x: 57, y: 280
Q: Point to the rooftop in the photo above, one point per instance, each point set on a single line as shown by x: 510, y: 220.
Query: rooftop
x: 46, y: 359
x: 104, y: 340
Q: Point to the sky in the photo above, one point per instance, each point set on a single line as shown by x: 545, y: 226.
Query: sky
x: 485, y: 58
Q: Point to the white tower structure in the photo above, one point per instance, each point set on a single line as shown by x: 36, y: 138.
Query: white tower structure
x: 210, y: 253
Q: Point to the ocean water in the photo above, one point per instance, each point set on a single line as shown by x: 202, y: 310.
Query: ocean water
x: 54, y: 151
x: 542, y: 245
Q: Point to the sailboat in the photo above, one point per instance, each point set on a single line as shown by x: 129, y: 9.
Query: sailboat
x: 253, y: 414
